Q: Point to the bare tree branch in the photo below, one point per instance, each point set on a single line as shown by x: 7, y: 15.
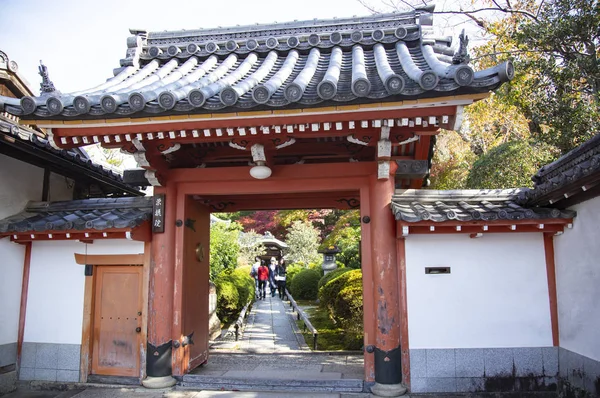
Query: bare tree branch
x: 368, y: 7
x: 470, y: 12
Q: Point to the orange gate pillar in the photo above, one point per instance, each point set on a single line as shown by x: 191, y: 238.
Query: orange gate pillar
x: 387, y: 352
x: 160, y: 298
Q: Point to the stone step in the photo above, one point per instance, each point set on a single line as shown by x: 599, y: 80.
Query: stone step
x: 300, y: 381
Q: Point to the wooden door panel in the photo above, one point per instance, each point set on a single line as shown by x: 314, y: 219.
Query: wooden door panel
x: 116, y: 307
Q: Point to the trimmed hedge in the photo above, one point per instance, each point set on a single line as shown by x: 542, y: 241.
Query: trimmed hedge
x: 305, y: 285
x: 332, y: 275
x: 234, y: 289
x: 342, y: 297
x: 291, y: 271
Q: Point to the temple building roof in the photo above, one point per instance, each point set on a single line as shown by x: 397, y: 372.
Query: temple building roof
x: 78, y: 215
x: 31, y: 144
x: 378, y: 58
x: 468, y: 205
x: 571, y: 179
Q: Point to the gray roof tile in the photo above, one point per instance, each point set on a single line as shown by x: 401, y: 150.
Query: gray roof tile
x: 577, y: 168
x: 98, y: 214
x: 297, y: 64
x: 467, y: 205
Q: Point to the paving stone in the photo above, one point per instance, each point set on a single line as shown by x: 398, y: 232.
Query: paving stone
x: 550, y: 361
x: 528, y: 361
x: 498, y: 361
x: 418, y: 363
x: 470, y: 362
x: 46, y: 356
x: 441, y: 363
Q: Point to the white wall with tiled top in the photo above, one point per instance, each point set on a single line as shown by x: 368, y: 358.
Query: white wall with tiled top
x: 56, y: 288
x: 495, y: 296
x: 577, y: 256
x: 488, y: 320
x: 53, y: 325
x: 11, y: 264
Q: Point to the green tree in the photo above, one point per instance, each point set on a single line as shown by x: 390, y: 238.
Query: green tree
x: 250, y: 247
x: 224, y: 247
x: 346, y: 235
x: 303, y: 241
x: 510, y: 165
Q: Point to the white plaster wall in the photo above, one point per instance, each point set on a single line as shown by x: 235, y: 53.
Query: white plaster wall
x: 11, y: 266
x: 21, y: 182
x: 61, y: 188
x: 577, y: 257
x: 56, y: 288
x: 495, y: 296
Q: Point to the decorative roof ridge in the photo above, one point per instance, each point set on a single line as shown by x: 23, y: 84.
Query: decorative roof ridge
x: 575, y: 172
x: 315, y: 23
x: 139, y: 202
x: 12, y: 66
x: 429, y: 195
x: 468, y: 205
x: 568, y: 160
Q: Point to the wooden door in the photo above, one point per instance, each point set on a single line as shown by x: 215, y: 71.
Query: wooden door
x: 117, y: 321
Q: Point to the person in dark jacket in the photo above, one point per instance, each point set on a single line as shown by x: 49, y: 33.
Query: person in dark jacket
x: 263, y: 277
x: 280, y: 276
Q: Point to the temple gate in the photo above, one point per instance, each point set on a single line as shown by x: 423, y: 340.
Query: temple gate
x: 316, y: 114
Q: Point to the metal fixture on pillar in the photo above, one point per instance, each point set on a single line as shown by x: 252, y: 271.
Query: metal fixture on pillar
x: 260, y: 171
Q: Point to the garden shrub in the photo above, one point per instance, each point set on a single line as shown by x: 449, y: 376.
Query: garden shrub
x: 305, y: 285
x: 291, y: 271
x: 227, y: 299
x: 234, y: 289
x: 332, y: 275
x: 317, y: 267
x: 348, y: 305
x: 342, y: 297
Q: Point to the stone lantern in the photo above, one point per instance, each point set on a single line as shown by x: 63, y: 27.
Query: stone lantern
x: 329, y: 263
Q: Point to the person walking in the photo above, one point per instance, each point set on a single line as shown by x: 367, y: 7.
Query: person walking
x: 272, y: 283
x: 263, y: 277
x: 254, y: 275
x: 280, y: 277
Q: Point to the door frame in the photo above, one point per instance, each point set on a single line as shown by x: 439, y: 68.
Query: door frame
x: 143, y: 260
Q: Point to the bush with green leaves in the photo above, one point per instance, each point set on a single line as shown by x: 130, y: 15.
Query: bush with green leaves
x: 234, y: 289
x: 342, y: 297
x: 305, y: 285
x: 224, y: 247
x: 291, y: 271
x: 510, y: 165
x: 349, y: 303
x: 332, y: 275
x: 317, y: 267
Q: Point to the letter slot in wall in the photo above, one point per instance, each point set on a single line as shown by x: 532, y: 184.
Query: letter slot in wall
x: 437, y: 270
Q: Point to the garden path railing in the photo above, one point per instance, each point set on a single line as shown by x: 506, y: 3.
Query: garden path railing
x: 302, y: 316
x: 239, y: 324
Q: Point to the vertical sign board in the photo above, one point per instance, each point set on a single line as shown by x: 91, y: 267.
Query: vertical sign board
x: 158, y: 213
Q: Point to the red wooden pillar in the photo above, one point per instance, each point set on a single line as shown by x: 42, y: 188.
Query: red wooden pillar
x: 387, y: 350
x: 160, y: 298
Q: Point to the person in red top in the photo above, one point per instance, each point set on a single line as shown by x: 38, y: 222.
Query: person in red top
x: 263, y: 277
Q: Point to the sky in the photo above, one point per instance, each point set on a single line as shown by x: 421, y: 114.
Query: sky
x: 82, y: 41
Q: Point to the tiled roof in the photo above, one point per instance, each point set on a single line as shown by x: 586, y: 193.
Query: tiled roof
x: 26, y: 134
x: 467, y: 205
x: 386, y: 57
x: 74, y: 157
x: 97, y: 214
x: 575, y: 172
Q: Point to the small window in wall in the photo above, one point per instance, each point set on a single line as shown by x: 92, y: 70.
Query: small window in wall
x: 437, y: 270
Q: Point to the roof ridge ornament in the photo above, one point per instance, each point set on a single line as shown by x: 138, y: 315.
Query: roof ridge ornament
x: 46, y: 86
x: 461, y: 56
